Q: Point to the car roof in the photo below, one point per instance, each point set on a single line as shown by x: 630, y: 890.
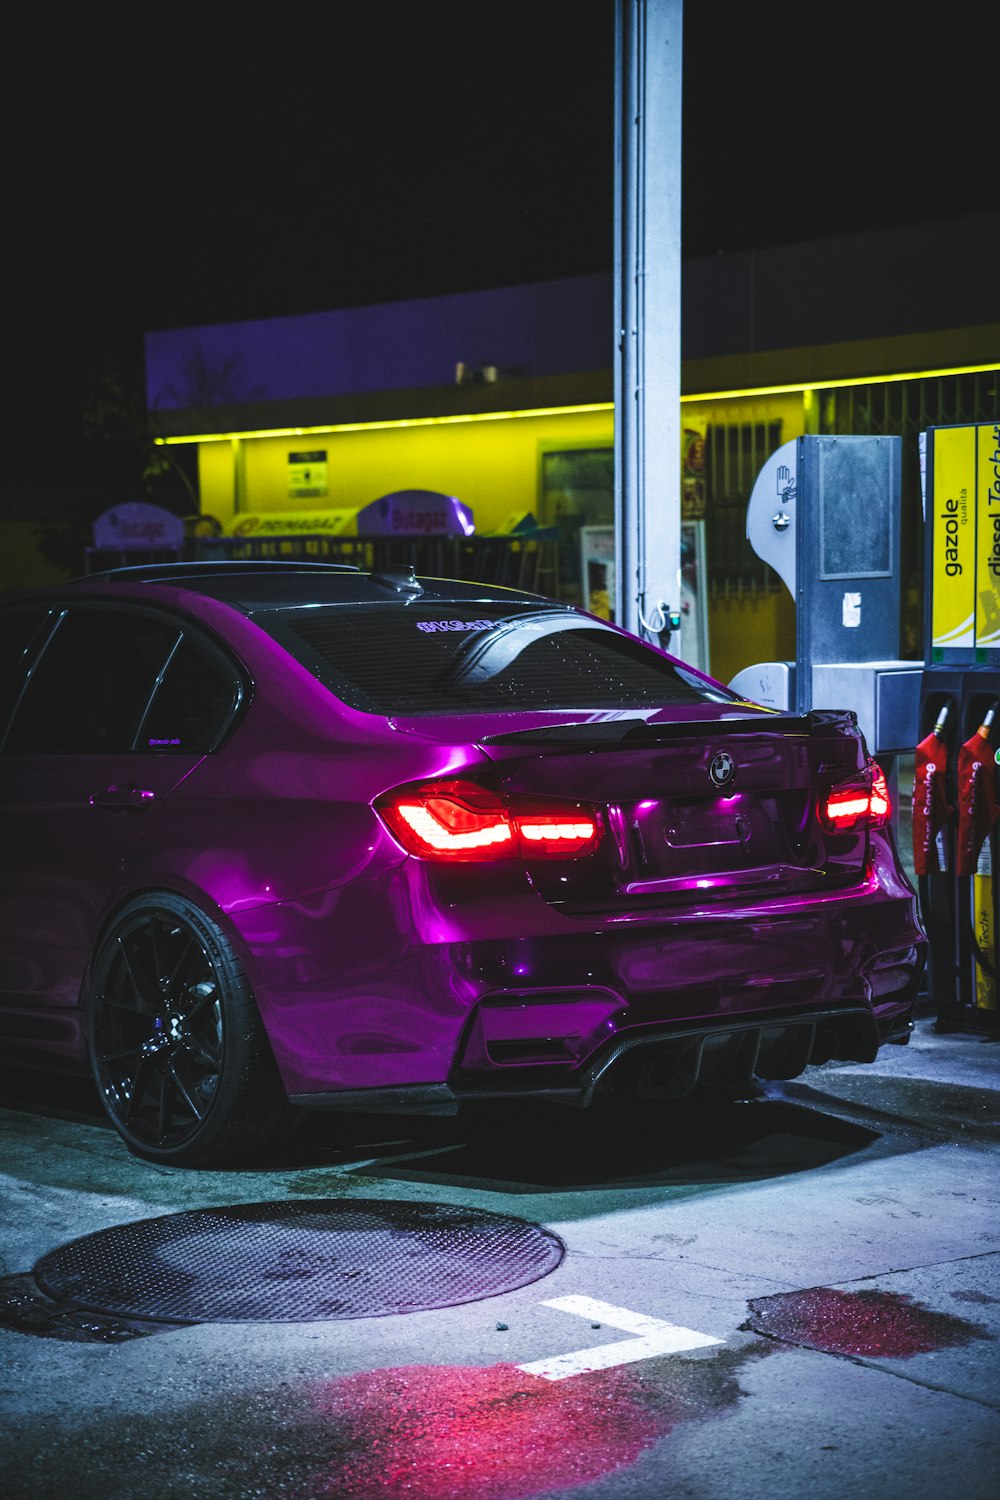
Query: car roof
x: 254, y: 587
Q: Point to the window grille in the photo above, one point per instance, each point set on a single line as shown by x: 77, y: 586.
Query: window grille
x: 734, y: 456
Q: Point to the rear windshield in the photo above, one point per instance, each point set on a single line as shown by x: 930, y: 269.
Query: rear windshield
x: 420, y: 659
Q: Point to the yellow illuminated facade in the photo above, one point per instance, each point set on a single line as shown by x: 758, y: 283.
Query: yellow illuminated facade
x: 497, y: 462
x: 491, y: 462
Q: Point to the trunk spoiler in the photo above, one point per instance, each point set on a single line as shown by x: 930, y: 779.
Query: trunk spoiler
x: 636, y: 732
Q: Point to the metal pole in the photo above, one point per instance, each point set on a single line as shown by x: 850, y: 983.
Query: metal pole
x: 647, y: 357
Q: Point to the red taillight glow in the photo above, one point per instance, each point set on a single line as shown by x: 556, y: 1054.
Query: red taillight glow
x: 548, y: 831
x: 881, y: 804
x: 445, y: 826
x: 466, y: 820
x: 863, y: 803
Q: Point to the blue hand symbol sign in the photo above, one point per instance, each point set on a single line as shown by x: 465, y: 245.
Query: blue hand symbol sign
x: 785, y: 484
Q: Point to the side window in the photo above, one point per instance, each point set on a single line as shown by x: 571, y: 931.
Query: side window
x: 18, y: 630
x: 192, y: 703
x: 92, y: 684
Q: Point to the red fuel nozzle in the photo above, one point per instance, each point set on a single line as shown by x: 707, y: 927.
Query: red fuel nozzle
x: 977, y: 796
x: 930, y: 802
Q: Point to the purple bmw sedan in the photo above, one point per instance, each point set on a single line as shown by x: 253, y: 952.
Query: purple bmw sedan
x: 284, y: 837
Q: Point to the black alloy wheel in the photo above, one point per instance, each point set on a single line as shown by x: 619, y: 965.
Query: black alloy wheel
x: 177, y: 1047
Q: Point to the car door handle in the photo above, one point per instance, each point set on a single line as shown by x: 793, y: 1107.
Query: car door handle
x: 122, y: 798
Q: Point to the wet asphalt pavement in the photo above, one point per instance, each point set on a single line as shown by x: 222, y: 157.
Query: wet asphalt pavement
x: 802, y: 1292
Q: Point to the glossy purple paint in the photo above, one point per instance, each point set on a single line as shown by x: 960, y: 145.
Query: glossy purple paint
x: 375, y: 970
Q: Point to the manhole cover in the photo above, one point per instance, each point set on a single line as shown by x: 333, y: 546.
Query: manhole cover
x: 298, y: 1262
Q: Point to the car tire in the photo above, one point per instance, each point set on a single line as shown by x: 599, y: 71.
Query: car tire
x: 177, y: 1047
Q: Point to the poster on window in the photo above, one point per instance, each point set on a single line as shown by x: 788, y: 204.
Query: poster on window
x: 597, y: 570
x: 693, y: 493
x: 694, y: 602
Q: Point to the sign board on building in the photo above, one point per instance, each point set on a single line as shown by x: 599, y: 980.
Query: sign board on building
x: 307, y: 473
x: 415, y: 513
x: 291, y: 523
x: 138, y: 527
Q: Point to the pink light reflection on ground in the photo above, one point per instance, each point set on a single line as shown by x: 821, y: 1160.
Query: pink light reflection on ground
x: 439, y: 1432
x: 446, y: 1432
x: 870, y: 1323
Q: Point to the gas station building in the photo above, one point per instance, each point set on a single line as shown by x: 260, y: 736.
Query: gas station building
x: 503, y: 400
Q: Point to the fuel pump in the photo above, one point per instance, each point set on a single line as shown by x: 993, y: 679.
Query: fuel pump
x: 933, y: 826
x: 960, y: 471
x: 824, y: 512
x: 977, y: 815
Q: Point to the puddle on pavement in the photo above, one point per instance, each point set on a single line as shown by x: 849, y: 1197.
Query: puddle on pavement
x: 423, y: 1432
x: 869, y: 1324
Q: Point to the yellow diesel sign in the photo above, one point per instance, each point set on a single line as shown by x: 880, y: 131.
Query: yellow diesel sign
x: 953, y: 606
x: 988, y: 535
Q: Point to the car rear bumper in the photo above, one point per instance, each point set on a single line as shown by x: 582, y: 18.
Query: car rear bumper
x: 355, y: 1009
x: 657, y: 1062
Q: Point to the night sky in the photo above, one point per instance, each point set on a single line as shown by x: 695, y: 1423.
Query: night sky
x: 216, y: 163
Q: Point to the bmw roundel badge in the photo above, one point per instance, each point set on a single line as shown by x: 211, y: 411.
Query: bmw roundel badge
x: 723, y: 769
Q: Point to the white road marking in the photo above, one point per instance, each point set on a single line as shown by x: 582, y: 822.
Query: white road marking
x: 653, y: 1336
x: 390, y: 1161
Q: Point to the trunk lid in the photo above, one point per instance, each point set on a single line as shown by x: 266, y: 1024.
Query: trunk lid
x: 705, y: 810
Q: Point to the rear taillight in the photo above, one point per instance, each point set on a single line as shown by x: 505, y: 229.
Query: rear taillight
x: 862, y: 802
x: 469, y: 820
